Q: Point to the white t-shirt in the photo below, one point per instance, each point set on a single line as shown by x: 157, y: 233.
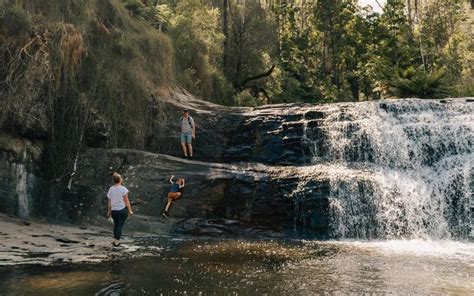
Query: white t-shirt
x: 115, y: 195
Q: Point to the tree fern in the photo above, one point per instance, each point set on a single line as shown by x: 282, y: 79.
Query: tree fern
x: 413, y: 82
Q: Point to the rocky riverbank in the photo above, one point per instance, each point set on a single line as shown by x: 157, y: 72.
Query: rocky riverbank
x: 35, y: 242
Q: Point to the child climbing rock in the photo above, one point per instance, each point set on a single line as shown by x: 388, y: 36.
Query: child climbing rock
x: 173, y: 194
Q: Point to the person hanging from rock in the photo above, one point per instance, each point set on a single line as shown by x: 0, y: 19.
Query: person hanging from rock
x: 188, y: 133
x: 174, y: 193
x: 119, y: 208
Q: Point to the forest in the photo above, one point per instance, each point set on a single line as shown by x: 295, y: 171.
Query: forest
x: 269, y: 51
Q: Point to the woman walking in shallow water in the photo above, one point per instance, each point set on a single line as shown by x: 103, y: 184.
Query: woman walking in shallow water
x: 119, y: 207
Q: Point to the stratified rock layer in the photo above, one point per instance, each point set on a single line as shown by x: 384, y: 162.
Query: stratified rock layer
x: 387, y: 169
x: 247, y: 193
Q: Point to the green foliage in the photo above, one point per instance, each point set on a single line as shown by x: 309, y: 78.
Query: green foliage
x: 198, y: 42
x: 135, y: 6
x: 246, y: 99
x: 320, y: 51
x: 159, y: 15
x: 251, y: 41
x: 419, y: 84
x: 464, y: 90
x: 15, y: 21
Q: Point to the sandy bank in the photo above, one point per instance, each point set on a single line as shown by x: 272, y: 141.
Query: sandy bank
x: 35, y: 242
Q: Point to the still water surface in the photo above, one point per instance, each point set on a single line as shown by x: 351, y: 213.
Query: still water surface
x: 234, y: 267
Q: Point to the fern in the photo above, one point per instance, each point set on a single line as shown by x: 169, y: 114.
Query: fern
x: 413, y: 82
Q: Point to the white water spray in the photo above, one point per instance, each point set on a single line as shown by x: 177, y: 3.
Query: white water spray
x: 419, y: 156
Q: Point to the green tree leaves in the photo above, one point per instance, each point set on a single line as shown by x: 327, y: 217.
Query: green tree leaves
x: 318, y: 50
x: 417, y: 83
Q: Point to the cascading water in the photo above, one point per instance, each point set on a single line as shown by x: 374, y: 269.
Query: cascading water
x: 400, y: 168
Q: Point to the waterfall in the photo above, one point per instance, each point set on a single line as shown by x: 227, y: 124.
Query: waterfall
x: 400, y: 168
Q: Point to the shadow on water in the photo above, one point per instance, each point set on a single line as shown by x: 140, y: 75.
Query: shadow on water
x: 261, y: 267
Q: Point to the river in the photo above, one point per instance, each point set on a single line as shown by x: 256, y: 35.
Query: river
x: 245, y: 267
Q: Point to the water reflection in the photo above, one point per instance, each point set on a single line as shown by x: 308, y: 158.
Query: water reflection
x: 259, y: 267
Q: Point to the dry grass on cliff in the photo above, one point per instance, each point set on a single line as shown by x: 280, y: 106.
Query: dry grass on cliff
x: 71, y: 65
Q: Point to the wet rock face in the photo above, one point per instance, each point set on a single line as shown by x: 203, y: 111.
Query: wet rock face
x: 224, y: 228
x: 8, y: 184
x: 212, y: 130
x: 19, y: 180
x: 271, y: 140
x: 244, y: 193
x: 259, y: 199
x: 277, y: 135
x: 251, y: 195
x: 280, y: 134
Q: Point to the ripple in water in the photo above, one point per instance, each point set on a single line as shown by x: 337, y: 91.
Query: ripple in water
x: 263, y: 267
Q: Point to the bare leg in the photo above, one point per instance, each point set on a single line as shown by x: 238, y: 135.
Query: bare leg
x: 171, y: 197
x: 168, y: 204
x: 183, y: 145
x: 190, y: 148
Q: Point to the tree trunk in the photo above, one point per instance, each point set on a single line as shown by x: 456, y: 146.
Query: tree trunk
x: 238, y: 68
x: 422, y: 53
x: 225, y: 31
x: 410, y: 14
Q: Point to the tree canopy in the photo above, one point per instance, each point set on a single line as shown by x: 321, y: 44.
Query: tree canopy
x: 254, y: 52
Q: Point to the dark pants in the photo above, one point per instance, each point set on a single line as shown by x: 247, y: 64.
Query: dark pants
x: 119, y: 218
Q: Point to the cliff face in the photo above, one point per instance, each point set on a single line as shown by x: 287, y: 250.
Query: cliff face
x: 369, y: 170
x: 278, y: 134
x: 227, y: 179
x: 242, y: 192
x: 20, y: 182
x: 250, y: 194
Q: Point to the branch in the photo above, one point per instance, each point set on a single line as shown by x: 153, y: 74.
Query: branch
x: 378, y: 3
x: 265, y: 74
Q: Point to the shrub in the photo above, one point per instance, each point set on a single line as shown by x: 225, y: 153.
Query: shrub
x: 245, y: 98
x: 413, y: 82
x: 15, y: 21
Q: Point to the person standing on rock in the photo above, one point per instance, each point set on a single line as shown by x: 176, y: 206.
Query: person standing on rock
x: 173, y: 194
x: 188, y: 133
x: 119, y: 207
